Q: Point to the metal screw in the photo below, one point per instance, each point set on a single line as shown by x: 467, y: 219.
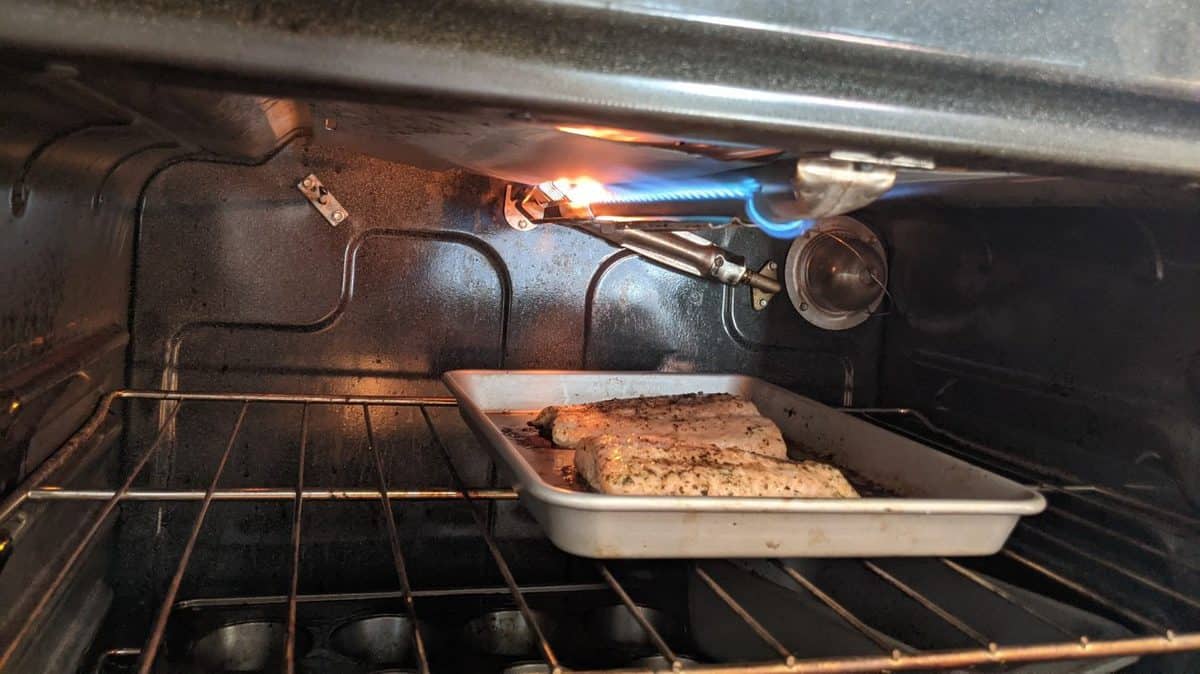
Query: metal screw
x: 804, y: 306
x: 338, y: 216
x: 762, y: 302
x: 771, y: 265
x: 718, y: 261
x: 308, y: 183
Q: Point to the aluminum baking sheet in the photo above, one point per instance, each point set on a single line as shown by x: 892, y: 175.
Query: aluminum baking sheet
x: 936, y: 504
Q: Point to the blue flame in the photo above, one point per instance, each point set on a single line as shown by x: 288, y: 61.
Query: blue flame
x: 702, y: 189
x: 679, y: 190
x: 778, y: 230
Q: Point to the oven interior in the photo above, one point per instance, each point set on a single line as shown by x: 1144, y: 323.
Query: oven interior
x: 154, y: 243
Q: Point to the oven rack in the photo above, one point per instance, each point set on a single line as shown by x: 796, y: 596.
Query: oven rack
x: 1155, y: 637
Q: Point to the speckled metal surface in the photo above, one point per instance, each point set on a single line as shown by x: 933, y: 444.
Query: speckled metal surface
x: 1037, y: 85
x: 70, y: 175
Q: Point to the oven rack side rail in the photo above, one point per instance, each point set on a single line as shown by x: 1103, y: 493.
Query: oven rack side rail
x: 1155, y: 637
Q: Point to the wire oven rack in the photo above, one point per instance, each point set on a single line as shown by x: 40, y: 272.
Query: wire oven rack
x: 1155, y: 638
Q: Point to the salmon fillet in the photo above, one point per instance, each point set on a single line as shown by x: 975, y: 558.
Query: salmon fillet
x: 752, y: 434
x: 648, y: 465
x: 720, y: 419
x: 691, y: 405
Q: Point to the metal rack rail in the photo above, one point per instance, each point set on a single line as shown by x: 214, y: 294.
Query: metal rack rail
x: 1157, y: 638
x: 1047, y: 478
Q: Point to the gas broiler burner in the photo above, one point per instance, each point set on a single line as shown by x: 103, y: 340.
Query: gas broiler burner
x: 782, y: 198
x: 836, y: 274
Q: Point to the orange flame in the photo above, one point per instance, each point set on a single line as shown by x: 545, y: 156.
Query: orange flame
x: 605, y: 133
x: 582, y: 190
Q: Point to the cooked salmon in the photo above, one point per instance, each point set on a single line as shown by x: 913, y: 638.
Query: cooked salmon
x: 691, y: 405
x: 649, y: 465
x: 719, y: 419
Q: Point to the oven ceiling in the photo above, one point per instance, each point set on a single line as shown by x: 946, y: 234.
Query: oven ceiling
x: 1075, y: 86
